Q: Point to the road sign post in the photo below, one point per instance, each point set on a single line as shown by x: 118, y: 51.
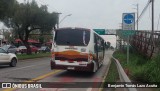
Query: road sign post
x: 128, y: 49
x: 127, y: 34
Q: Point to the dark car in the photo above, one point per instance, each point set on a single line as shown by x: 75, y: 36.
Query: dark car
x: 44, y: 49
x: 10, y: 48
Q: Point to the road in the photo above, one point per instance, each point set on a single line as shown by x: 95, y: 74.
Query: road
x: 39, y: 70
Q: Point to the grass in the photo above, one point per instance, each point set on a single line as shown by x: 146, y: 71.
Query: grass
x: 140, y: 68
x: 112, y: 75
x: 38, y: 55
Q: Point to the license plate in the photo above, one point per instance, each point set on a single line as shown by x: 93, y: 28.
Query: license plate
x: 70, y: 68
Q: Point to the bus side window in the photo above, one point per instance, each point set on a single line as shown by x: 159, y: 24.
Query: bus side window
x: 95, y: 39
x: 55, y: 35
x: 95, y: 43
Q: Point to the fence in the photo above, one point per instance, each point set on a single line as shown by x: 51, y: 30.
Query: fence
x: 145, y: 42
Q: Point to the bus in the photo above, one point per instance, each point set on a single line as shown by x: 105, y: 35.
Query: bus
x: 77, y: 49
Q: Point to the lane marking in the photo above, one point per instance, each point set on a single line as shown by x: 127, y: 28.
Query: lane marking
x: 44, y: 76
x: 21, y: 68
x: 35, y: 79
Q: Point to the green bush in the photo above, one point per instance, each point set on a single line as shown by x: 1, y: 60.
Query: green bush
x: 141, y: 69
x: 38, y: 55
x: 153, y: 69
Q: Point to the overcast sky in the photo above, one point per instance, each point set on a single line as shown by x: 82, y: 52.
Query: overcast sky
x: 99, y: 13
x: 105, y: 14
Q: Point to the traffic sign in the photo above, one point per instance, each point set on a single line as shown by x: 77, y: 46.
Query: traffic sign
x: 127, y: 32
x: 128, y: 21
x: 100, y: 31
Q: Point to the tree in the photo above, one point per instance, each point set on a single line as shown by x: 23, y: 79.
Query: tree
x: 6, y: 7
x: 29, y: 17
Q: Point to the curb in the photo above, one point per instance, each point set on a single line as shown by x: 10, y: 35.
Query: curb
x: 105, y: 75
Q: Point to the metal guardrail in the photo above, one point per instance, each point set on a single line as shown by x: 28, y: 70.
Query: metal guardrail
x: 123, y: 76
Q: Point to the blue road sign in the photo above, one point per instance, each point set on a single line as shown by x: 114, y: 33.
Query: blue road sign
x: 128, y: 18
x: 128, y: 21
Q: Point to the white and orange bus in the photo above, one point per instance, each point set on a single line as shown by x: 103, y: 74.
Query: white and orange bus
x: 77, y: 49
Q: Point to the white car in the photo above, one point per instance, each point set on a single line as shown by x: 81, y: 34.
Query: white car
x: 7, y: 58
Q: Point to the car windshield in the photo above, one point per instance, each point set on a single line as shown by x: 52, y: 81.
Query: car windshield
x: 22, y: 47
x: 43, y: 47
x: 5, y: 47
x: 2, y: 51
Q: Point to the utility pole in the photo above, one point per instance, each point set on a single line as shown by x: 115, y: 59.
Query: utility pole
x: 137, y: 15
x: 137, y: 9
x: 152, y: 33
x: 158, y: 22
x: 152, y: 16
x: 120, y: 25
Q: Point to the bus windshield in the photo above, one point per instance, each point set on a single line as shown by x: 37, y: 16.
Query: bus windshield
x: 72, y: 37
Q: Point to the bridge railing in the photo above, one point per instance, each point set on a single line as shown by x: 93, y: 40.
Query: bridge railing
x: 146, y: 42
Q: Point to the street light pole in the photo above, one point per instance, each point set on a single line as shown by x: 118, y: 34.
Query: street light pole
x: 58, y: 19
x: 65, y: 17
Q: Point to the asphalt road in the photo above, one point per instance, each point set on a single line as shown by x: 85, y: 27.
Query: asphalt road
x: 39, y: 70
x: 25, y: 70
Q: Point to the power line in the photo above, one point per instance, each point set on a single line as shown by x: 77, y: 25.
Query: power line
x: 143, y: 11
x: 150, y: 19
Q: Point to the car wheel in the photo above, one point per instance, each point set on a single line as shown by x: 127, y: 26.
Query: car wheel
x: 13, y: 62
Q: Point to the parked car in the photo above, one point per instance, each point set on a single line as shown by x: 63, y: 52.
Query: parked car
x: 44, y: 49
x: 10, y: 48
x: 34, y: 49
x: 7, y: 58
x: 21, y: 49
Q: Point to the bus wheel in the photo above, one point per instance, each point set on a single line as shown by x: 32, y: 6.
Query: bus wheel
x: 95, y: 66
